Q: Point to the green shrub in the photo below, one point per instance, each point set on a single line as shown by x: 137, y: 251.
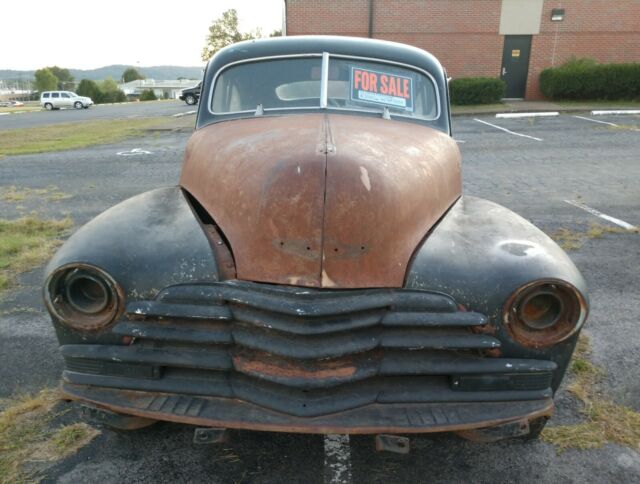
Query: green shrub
x: 90, y: 89
x: 148, y: 95
x: 476, y: 90
x: 586, y: 79
x: 116, y: 96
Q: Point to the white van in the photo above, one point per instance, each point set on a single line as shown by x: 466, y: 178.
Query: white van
x: 63, y: 99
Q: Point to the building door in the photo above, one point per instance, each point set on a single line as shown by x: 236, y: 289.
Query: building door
x: 515, y: 64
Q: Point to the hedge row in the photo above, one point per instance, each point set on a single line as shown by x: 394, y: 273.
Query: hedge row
x: 585, y: 79
x: 476, y: 90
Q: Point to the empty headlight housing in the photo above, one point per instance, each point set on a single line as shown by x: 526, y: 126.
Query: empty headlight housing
x: 544, y: 313
x: 83, y: 297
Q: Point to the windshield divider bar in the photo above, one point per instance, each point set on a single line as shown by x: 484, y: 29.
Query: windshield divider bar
x: 324, y: 80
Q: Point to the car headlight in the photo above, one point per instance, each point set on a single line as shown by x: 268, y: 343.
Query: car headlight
x: 83, y: 297
x: 544, y: 313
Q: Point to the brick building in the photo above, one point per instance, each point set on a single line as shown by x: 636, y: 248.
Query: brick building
x: 514, y: 39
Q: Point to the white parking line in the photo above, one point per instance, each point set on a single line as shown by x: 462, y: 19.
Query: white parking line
x: 618, y: 111
x: 337, y: 459
x: 595, y: 212
x: 596, y: 121
x: 186, y: 113
x: 527, y: 115
x: 507, y: 130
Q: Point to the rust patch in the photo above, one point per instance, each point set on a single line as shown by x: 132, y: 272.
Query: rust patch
x: 262, y: 180
x: 388, y: 183
x: 224, y: 259
x: 314, y: 369
x: 572, y: 316
x: 322, y: 200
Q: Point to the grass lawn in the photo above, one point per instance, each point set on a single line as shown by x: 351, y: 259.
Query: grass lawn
x: 20, y: 109
x: 60, y: 137
x: 26, y: 243
x: 29, y: 440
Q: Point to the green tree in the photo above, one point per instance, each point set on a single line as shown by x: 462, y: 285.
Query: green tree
x: 276, y: 33
x: 111, y: 93
x: 65, y: 79
x: 45, y: 80
x: 90, y: 89
x: 148, y: 95
x: 131, y: 74
x: 224, y: 31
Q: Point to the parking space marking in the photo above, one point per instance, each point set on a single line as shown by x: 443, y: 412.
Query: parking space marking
x: 186, y: 113
x: 604, y: 216
x: 337, y: 459
x: 527, y: 115
x: 507, y: 130
x: 618, y: 111
x: 134, y: 152
x: 596, y: 121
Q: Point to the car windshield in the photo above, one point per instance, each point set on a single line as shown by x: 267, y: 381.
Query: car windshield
x: 72, y: 94
x: 352, y: 84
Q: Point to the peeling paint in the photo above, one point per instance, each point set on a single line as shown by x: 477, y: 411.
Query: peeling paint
x: 326, y: 280
x: 364, y: 178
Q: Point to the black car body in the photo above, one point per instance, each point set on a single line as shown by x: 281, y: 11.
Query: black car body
x: 318, y: 269
x: 191, y: 95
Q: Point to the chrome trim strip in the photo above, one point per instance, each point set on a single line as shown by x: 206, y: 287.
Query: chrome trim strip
x: 324, y: 80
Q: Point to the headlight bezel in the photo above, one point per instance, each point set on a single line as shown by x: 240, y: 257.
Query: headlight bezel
x: 572, y: 311
x: 57, y: 297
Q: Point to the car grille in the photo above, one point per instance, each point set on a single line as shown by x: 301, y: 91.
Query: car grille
x: 307, y: 352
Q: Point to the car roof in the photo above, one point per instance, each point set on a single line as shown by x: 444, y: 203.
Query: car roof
x: 309, y: 44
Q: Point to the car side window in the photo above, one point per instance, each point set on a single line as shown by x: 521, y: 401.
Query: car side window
x: 46, y: 94
x: 55, y: 94
x: 64, y: 94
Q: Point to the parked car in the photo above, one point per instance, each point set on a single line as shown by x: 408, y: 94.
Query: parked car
x: 63, y: 99
x: 318, y: 268
x: 191, y: 94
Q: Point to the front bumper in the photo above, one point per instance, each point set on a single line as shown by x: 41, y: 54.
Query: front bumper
x: 262, y: 357
x: 369, y: 419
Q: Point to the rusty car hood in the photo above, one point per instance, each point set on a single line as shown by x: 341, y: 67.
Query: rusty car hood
x: 322, y: 200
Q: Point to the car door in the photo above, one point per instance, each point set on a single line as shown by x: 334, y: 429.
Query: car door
x: 65, y: 100
x: 55, y: 99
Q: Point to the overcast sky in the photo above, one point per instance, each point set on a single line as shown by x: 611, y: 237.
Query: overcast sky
x: 86, y: 35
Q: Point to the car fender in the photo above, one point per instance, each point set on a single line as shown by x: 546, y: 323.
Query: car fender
x: 480, y: 253
x: 145, y: 243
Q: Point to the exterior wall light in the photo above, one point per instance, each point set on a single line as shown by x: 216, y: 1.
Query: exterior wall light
x: 557, y: 15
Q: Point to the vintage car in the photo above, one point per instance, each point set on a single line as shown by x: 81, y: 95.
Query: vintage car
x: 317, y: 269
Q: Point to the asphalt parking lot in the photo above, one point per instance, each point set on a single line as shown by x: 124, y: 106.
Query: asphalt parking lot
x: 564, y: 172
x: 99, y: 111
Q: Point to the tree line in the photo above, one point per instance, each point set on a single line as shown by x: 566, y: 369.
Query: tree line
x: 56, y: 78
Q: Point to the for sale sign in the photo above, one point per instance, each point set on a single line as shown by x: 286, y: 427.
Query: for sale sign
x: 382, y: 88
